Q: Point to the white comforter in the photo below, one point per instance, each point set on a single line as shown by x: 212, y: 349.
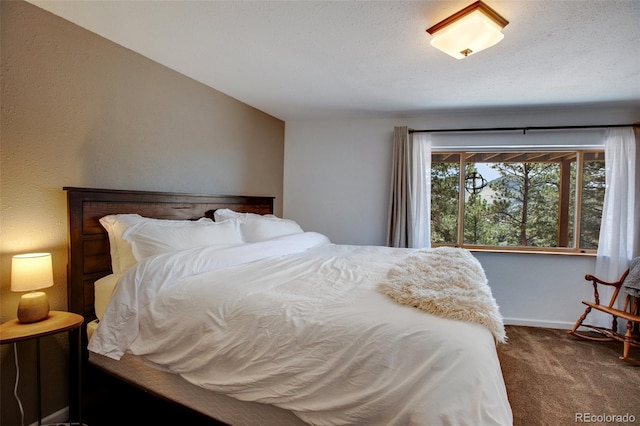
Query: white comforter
x: 297, y: 322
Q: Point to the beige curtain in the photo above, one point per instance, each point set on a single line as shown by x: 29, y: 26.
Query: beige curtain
x: 397, y: 234
x: 636, y: 209
x: 410, y: 192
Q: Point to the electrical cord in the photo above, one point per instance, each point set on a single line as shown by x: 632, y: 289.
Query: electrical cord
x: 15, y: 388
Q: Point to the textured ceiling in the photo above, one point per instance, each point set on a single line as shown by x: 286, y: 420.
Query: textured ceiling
x: 320, y: 59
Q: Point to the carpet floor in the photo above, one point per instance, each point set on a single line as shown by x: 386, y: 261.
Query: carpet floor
x: 552, y: 379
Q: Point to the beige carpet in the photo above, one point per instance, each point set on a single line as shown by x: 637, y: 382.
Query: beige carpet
x: 553, y: 379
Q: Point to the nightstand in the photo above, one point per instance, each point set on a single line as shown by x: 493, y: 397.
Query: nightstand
x: 14, y: 331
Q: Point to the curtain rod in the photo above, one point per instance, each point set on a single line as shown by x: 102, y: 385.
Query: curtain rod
x: 524, y: 129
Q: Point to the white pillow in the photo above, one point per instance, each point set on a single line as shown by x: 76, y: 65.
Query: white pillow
x: 122, y: 257
x: 153, y: 238
x: 265, y: 228
x: 223, y: 214
x: 256, y: 227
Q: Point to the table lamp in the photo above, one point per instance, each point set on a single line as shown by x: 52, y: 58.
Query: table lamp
x: 31, y: 272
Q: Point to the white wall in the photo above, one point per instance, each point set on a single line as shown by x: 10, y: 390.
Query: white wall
x: 336, y: 181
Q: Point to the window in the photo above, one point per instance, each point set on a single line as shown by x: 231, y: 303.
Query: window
x: 534, y: 200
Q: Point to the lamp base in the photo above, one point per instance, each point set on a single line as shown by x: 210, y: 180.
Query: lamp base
x: 33, y: 307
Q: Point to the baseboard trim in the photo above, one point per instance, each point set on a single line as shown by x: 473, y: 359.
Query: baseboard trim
x: 539, y: 323
x: 59, y: 417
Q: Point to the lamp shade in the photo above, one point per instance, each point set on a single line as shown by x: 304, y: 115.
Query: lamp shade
x: 31, y: 271
x: 469, y: 31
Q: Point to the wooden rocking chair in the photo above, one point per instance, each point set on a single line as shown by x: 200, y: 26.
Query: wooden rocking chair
x: 630, y: 312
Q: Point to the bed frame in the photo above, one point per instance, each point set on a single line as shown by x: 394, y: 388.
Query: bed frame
x: 89, y: 255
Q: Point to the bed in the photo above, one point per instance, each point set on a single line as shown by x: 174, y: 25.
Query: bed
x: 281, y: 328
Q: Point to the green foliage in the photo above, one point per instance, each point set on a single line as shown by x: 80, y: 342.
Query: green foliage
x: 520, y: 208
x: 444, y: 202
x: 592, y: 200
x: 527, y: 203
x: 478, y: 225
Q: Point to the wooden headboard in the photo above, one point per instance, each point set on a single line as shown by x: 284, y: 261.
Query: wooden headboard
x: 89, y: 258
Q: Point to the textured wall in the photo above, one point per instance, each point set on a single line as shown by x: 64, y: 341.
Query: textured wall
x: 78, y: 110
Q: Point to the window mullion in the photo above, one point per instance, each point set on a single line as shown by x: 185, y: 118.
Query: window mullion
x: 563, y: 204
x: 578, y: 201
x: 463, y: 160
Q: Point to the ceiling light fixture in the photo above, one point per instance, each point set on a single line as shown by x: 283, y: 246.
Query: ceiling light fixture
x: 468, y: 31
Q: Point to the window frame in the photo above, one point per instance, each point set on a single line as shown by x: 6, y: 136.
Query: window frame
x: 564, y: 201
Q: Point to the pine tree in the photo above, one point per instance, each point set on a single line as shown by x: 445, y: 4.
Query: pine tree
x: 526, y: 203
x: 444, y: 202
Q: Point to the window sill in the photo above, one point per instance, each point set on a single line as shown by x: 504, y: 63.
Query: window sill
x: 520, y: 250
x: 543, y: 252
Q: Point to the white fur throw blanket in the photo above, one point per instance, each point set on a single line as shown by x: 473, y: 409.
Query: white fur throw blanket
x: 448, y: 282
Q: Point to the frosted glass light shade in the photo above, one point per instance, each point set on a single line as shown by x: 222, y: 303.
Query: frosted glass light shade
x: 469, y: 31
